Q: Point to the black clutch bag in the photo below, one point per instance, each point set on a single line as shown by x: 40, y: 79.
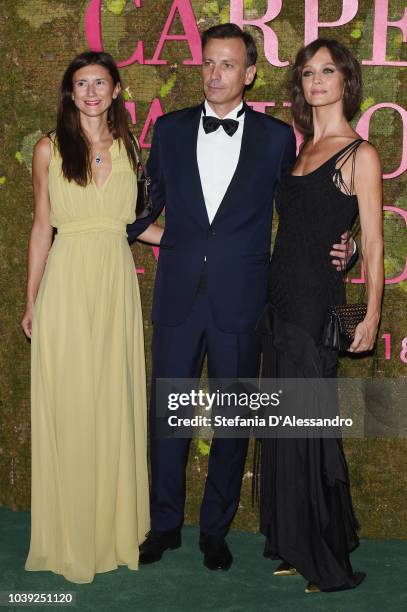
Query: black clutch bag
x: 144, y: 203
x: 341, y: 321
x: 340, y: 325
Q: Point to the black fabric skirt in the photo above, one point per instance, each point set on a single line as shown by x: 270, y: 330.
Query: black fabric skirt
x: 306, y: 508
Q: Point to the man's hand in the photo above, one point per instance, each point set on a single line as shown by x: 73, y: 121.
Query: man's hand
x: 343, y: 252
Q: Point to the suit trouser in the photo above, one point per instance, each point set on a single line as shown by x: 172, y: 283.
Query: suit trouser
x: 178, y: 352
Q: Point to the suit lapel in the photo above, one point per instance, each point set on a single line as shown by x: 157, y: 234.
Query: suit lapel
x: 187, y: 144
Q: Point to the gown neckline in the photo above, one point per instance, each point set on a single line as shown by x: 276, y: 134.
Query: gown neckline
x: 101, y: 188
x: 326, y: 161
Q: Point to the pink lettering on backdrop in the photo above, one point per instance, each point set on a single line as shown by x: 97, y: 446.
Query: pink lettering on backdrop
x: 380, y: 25
x: 93, y: 26
x: 260, y: 107
x: 191, y: 36
x: 299, y: 137
x: 156, y: 253
x: 153, y: 114
x: 403, y: 276
x: 93, y: 30
x: 312, y: 23
x: 269, y: 36
x: 396, y: 279
x: 363, y: 129
x: 361, y: 279
x: 131, y: 109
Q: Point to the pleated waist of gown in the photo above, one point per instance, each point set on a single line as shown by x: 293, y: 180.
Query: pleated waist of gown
x: 92, y: 225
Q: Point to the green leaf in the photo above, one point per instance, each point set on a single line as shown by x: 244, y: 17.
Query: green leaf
x: 204, y: 447
x: 166, y: 87
x: 27, y: 147
x: 390, y: 266
x: 116, y: 6
x: 224, y: 16
x: 211, y: 8
x: 367, y: 104
x: 260, y: 80
x: 126, y: 93
x: 39, y: 12
x: 19, y: 157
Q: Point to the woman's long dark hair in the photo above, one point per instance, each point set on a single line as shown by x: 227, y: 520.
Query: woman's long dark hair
x: 347, y: 65
x: 70, y: 137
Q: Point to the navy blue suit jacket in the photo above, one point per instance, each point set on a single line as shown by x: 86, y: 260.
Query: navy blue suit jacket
x: 237, y: 242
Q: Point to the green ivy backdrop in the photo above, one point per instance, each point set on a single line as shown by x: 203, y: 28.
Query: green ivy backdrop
x: 39, y: 38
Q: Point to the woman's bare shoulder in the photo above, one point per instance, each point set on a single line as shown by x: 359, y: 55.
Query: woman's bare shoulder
x: 42, y: 151
x: 367, y: 155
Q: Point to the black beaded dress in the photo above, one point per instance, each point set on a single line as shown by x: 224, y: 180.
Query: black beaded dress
x: 306, y: 509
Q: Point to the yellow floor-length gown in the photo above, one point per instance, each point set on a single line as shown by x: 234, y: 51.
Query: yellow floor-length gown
x: 90, y: 498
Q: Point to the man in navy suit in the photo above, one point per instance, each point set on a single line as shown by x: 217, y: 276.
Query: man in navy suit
x: 215, y: 168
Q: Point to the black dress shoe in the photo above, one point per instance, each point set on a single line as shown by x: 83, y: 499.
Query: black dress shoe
x: 156, y: 543
x: 217, y: 555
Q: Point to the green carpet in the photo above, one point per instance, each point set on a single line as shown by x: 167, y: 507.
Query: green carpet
x: 180, y: 581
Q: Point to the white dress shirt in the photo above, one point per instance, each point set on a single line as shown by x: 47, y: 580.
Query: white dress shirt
x: 218, y: 155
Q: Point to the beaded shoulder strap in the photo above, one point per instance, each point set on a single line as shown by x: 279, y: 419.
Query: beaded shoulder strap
x: 349, y: 151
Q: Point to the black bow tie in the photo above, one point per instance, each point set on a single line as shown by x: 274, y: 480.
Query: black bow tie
x: 211, y: 124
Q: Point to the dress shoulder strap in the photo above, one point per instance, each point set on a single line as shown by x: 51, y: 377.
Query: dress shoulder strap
x: 346, y: 153
x: 53, y: 139
x: 136, y: 147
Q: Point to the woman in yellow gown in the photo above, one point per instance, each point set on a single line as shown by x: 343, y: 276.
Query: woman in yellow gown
x: 90, y: 498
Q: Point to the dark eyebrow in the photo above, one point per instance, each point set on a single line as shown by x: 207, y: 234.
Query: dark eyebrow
x: 325, y: 64
x: 101, y: 78
x: 223, y: 61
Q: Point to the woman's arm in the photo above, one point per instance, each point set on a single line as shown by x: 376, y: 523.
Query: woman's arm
x: 41, y: 231
x: 138, y: 229
x: 368, y: 188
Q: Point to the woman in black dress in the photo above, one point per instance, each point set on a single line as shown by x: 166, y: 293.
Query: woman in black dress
x: 306, y: 509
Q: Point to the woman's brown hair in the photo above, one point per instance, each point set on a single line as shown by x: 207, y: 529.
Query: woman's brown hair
x: 347, y: 65
x: 70, y: 137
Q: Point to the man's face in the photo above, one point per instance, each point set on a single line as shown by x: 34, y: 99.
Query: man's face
x: 224, y: 73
